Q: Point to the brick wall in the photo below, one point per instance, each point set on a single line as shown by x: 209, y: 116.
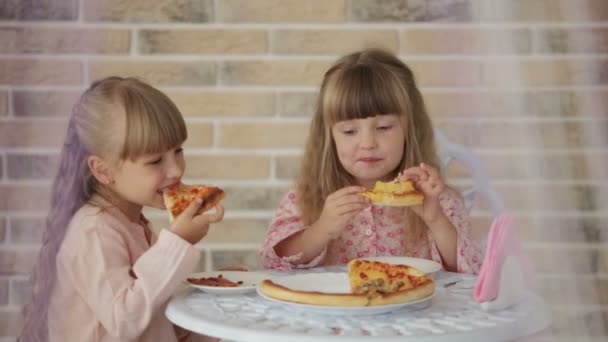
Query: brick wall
x: 522, y: 82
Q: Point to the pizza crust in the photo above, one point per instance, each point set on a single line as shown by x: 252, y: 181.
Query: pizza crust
x: 392, y: 200
x: 277, y: 291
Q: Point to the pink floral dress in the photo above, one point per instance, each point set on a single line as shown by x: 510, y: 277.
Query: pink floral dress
x: 376, y: 231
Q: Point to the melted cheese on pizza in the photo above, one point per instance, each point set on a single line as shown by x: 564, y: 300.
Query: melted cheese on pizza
x: 372, y: 277
x: 394, y: 187
x: 179, y: 196
x: 399, y: 193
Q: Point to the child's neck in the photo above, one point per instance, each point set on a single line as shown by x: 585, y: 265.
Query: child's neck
x: 131, y: 210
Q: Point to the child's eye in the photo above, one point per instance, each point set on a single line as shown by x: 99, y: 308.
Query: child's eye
x: 348, y: 131
x: 179, y: 150
x: 156, y: 161
x: 384, y: 128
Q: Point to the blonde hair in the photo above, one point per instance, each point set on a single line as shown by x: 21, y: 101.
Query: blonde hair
x: 153, y: 124
x: 361, y: 85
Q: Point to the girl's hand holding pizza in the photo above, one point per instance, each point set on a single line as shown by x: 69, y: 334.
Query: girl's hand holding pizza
x: 191, y: 226
x: 427, y: 180
x: 340, y: 207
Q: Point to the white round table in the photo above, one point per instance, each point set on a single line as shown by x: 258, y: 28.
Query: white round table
x: 452, y: 316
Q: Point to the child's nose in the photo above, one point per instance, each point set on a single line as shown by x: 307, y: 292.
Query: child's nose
x: 369, y: 141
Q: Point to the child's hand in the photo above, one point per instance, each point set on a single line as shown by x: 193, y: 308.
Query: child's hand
x: 192, y: 227
x: 340, y: 207
x: 427, y: 180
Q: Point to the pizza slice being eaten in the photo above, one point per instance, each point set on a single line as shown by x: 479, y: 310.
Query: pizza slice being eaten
x: 394, y: 193
x: 178, y: 197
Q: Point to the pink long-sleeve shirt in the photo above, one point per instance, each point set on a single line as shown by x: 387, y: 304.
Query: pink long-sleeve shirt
x: 375, y: 231
x: 114, y: 279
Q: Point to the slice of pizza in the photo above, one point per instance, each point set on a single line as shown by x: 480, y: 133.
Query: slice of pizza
x: 372, y: 283
x: 388, y: 283
x: 179, y: 196
x: 394, y: 193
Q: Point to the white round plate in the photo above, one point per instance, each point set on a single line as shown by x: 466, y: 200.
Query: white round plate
x: 425, y: 265
x: 249, y: 279
x: 333, y: 283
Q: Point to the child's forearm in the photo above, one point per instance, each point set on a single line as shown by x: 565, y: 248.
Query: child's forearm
x: 310, y: 242
x: 445, y: 235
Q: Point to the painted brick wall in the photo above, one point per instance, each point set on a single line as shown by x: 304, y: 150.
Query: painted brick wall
x: 522, y: 82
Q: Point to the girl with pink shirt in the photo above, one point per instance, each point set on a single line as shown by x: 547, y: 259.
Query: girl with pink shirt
x: 102, y: 274
x: 370, y: 124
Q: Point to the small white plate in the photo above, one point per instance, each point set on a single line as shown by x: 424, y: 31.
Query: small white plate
x: 331, y: 282
x: 425, y: 265
x: 249, y: 279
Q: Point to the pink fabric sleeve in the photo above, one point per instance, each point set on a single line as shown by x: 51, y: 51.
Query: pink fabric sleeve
x: 287, y: 221
x: 99, y: 269
x: 469, y: 254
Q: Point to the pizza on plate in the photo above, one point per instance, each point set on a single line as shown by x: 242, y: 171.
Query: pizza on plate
x: 394, y: 193
x: 388, y: 283
x: 218, y: 281
x: 372, y: 283
x: 179, y: 196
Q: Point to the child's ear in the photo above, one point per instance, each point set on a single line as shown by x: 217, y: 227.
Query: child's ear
x: 100, y: 169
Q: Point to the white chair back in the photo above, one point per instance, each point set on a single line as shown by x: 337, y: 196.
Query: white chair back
x: 449, y: 151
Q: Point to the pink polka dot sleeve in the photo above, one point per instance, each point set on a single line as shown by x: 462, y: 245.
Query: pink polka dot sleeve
x: 287, y: 221
x: 469, y: 253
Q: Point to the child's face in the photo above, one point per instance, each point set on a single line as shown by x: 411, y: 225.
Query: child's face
x: 142, y: 180
x: 370, y: 149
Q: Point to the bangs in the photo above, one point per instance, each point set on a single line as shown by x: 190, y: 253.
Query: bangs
x: 154, y: 124
x: 361, y: 92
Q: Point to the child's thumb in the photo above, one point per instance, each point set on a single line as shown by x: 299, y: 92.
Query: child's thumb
x: 193, y: 207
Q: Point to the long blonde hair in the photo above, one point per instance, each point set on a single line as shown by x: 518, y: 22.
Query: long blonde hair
x: 361, y: 85
x: 153, y: 124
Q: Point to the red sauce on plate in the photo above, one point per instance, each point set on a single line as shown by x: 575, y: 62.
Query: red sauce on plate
x: 218, y: 281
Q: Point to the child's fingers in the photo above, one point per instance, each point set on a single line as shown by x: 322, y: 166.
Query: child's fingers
x: 432, y: 172
x: 351, y: 199
x: 214, y: 217
x: 413, y: 178
x: 431, y: 187
x: 347, y: 190
x: 218, y: 215
x: 415, y: 173
x: 350, y: 207
x: 345, y: 195
x: 190, y: 211
x: 435, y: 183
